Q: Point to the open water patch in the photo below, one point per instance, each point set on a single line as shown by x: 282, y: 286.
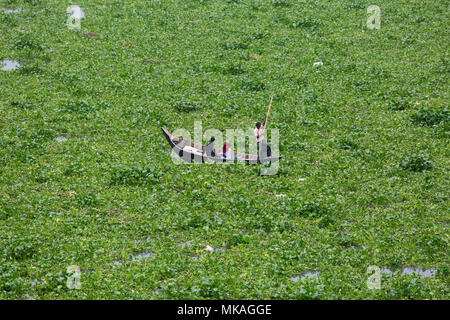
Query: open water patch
x: 410, y: 271
x: 306, y: 275
x: 8, y: 65
x: 7, y: 10
x: 142, y: 255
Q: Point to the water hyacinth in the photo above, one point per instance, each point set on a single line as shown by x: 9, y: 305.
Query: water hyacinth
x: 87, y: 179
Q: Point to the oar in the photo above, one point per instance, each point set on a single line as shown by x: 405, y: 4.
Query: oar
x: 267, y: 116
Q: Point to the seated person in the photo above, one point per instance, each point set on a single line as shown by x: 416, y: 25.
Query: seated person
x: 227, y: 152
x: 209, y: 149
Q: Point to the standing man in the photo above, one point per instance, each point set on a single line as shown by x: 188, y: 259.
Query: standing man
x: 261, y: 144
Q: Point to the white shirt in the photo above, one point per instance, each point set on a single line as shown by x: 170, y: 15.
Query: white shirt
x: 259, y: 132
x: 229, y: 154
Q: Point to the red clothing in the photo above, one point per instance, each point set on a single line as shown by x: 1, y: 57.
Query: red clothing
x: 225, y: 147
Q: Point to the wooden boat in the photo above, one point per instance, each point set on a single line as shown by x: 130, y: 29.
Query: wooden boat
x: 194, y: 152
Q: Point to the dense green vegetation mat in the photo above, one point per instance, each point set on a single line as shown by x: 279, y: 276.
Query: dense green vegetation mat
x: 86, y: 177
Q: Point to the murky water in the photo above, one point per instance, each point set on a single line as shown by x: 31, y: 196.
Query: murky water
x: 142, y: 255
x: 88, y: 271
x: 77, y: 12
x: 8, y: 65
x: 306, y: 275
x: 218, y: 219
x: 135, y: 257
x: 418, y: 271
x: 386, y: 271
x: 186, y: 244
x: 355, y: 247
x: 6, y: 10
x: 426, y: 273
x: 147, y: 240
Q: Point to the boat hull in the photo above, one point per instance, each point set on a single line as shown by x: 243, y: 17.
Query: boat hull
x: 193, y: 152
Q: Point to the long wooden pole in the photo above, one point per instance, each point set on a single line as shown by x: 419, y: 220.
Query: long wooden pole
x: 267, y: 115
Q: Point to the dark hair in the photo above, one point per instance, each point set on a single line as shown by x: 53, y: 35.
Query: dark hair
x: 258, y: 124
x: 212, y: 139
